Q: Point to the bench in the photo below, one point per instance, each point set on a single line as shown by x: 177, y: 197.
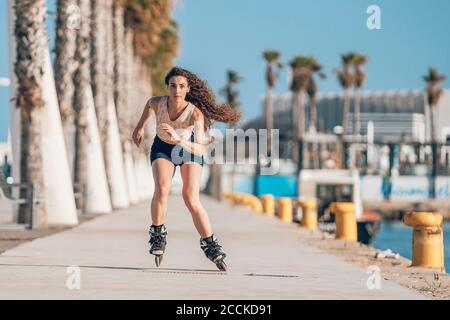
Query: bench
x: 32, y: 199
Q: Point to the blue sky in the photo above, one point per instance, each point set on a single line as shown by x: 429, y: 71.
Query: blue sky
x: 217, y: 35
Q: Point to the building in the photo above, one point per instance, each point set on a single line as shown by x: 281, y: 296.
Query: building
x: 395, y: 115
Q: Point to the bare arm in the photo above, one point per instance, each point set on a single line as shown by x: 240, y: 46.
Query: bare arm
x: 149, y: 110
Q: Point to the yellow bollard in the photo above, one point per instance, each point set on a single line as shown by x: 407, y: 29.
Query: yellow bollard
x: 346, y: 227
x: 285, y: 209
x: 246, y: 199
x: 236, y: 198
x: 252, y: 202
x: 428, y: 243
x: 268, y: 203
x: 309, y: 217
x: 226, y: 195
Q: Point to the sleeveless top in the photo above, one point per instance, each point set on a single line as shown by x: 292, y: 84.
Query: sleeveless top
x: 182, y: 124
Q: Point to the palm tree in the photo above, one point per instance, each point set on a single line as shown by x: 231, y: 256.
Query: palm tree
x: 82, y: 79
x: 151, y: 39
x: 360, y: 77
x: 121, y: 95
x: 31, y: 41
x: 64, y: 67
x: 115, y: 171
x: 346, y: 79
x: 232, y: 98
x: 271, y: 58
x: 155, y: 37
x: 161, y: 59
x: 432, y: 79
x: 312, y: 89
x: 358, y: 62
x: 301, y: 74
x: 89, y: 169
x: 231, y: 95
x: 120, y: 90
x: 98, y: 66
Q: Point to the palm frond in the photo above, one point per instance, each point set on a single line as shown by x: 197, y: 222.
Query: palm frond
x: 271, y: 55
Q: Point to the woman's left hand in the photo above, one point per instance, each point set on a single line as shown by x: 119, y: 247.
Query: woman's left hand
x: 171, y: 131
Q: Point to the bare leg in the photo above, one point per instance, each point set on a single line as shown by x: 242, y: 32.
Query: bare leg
x: 191, y: 174
x: 163, y: 171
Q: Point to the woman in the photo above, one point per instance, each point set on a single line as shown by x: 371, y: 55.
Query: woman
x: 182, y: 141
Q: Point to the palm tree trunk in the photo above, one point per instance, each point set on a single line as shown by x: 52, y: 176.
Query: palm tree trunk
x: 89, y: 162
x: 298, y: 121
x: 98, y: 67
x: 357, y: 114
x: 294, y: 125
x: 314, y: 147
x: 434, y: 151
x: 115, y: 170
x: 314, y: 113
x: 357, y: 127
x: 64, y: 68
x: 131, y: 118
x: 301, y: 115
x: 433, y: 123
x: 120, y: 90
x: 269, y: 118
x: 31, y: 41
x: 345, y: 110
x: 82, y: 80
x: 14, y: 111
x: 121, y: 97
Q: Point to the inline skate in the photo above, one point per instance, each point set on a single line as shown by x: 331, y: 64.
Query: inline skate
x: 158, y: 242
x: 213, y: 251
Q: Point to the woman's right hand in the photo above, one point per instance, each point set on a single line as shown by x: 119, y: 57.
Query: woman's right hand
x: 138, y: 135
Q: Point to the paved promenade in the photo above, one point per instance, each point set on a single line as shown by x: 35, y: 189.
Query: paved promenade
x: 266, y: 260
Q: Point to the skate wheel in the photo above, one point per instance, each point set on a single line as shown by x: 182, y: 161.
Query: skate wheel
x: 158, y: 260
x: 221, y: 265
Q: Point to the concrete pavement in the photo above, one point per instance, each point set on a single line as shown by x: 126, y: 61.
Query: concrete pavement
x: 266, y: 260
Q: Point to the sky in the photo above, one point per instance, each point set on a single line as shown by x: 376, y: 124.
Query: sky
x: 218, y: 35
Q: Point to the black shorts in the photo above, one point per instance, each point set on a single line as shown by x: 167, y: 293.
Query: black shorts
x: 172, y: 152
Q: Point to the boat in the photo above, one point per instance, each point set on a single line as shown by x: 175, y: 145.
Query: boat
x: 330, y: 185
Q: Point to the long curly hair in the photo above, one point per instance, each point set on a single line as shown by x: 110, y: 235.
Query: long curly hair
x: 202, y: 97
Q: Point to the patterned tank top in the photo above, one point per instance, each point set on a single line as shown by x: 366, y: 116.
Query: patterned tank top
x: 182, y: 124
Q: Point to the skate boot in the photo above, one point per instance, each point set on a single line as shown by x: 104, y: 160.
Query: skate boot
x: 213, y: 251
x: 158, y: 242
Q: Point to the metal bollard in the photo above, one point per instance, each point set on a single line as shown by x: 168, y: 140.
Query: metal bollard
x: 268, y: 202
x: 427, y: 242
x: 309, y: 217
x: 285, y: 209
x: 346, y: 227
